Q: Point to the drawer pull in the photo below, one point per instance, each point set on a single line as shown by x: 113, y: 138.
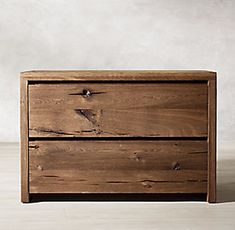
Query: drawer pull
x: 176, y: 166
x: 86, y: 93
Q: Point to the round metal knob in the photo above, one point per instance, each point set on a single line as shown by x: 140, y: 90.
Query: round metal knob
x: 176, y: 166
x: 86, y: 93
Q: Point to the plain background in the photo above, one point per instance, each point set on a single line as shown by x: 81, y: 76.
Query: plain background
x: 116, y: 34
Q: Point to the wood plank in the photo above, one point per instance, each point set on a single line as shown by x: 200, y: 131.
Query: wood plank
x: 156, y: 109
x: 211, y: 196
x: 118, y: 166
x: 24, y: 140
x: 120, y: 75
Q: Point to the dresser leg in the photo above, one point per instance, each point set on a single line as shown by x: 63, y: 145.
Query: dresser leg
x: 211, y: 198
x: 25, y: 198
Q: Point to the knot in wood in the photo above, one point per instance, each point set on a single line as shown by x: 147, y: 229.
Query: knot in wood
x: 40, y: 167
x: 146, y: 184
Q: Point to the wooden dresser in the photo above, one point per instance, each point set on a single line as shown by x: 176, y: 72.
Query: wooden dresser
x: 118, y: 132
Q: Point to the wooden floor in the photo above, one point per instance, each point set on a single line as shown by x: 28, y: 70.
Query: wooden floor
x: 115, y: 215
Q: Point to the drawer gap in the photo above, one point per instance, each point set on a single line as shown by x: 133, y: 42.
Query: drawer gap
x: 34, y: 82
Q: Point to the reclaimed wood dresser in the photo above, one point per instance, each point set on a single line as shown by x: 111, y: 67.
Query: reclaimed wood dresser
x: 118, y: 132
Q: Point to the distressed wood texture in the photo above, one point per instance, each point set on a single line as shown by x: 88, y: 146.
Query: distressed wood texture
x: 118, y: 109
x: 24, y: 129
x: 118, y: 166
x: 119, y: 75
x: 211, y: 196
x: 118, y: 132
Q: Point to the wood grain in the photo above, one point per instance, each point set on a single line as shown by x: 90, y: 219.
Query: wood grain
x: 211, y: 196
x: 120, y: 109
x: 124, y: 108
x: 119, y: 75
x: 24, y: 127
x: 118, y: 166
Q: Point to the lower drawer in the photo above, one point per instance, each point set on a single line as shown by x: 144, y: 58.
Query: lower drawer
x: 125, y: 166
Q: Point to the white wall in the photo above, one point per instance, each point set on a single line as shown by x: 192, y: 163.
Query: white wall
x: 116, y: 34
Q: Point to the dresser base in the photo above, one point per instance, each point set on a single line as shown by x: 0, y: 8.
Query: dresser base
x: 118, y: 197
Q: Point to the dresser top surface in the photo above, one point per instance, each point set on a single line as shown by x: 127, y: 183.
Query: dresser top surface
x: 118, y: 75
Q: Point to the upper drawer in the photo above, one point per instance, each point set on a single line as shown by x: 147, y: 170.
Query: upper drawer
x: 165, y: 109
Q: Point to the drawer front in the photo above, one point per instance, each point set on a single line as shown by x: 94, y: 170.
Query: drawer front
x: 118, y: 109
x: 118, y: 166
